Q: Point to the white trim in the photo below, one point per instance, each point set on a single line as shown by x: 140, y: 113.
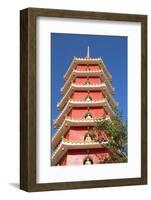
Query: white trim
x: 46, y: 173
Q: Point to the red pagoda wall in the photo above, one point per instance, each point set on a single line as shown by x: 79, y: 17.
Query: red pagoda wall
x: 79, y: 113
x: 78, y: 133
x: 82, y: 80
x: 84, y: 67
x: 76, y: 157
x: 81, y: 95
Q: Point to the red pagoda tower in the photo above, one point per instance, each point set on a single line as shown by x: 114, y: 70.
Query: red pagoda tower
x: 87, y: 98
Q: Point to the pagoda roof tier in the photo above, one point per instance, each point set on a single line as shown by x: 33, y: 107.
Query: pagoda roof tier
x: 86, y: 87
x: 68, y: 122
x: 86, y: 60
x: 65, y: 145
x: 73, y: 103
x: 77, y: 73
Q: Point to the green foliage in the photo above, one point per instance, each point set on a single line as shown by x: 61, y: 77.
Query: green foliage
x: 116, y: 131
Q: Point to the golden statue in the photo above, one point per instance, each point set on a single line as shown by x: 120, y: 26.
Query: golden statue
x: 88, y: 98
x: 87, y: 82
x: 88, y: 161
x: 88, y: 138
x: 88, y: 116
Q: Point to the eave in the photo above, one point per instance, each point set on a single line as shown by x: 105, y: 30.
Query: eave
x: 64, y: 146
x: 95, y: 87
x: 68, y: 122
x: 76, y: 61
x: 76, y: 73
x: 73, y: 104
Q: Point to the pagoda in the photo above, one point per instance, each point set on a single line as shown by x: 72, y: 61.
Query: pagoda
x: 87, y: 97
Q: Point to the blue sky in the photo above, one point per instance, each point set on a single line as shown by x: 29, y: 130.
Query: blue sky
x: 113, y: 51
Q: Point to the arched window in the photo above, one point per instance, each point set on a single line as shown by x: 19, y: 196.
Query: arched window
x: 88, y: 116
x: 88, y: 161
x: 88, y: 98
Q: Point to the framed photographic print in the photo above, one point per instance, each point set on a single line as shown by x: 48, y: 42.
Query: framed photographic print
x: 83, y: 99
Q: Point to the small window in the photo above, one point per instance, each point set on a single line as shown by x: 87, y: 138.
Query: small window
x: 88, y: 116
x: 88, y: 98
x: 88, y: 161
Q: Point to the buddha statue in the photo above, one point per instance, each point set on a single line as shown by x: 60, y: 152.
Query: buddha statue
x: 87, y: 69
x: 88, y: 116
x: 88, y: 138
x: 87, y: 82
x: 88, y: 98
x: 88, y: 161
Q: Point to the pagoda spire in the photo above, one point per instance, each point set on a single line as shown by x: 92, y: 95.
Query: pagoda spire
x: 88, y: 52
